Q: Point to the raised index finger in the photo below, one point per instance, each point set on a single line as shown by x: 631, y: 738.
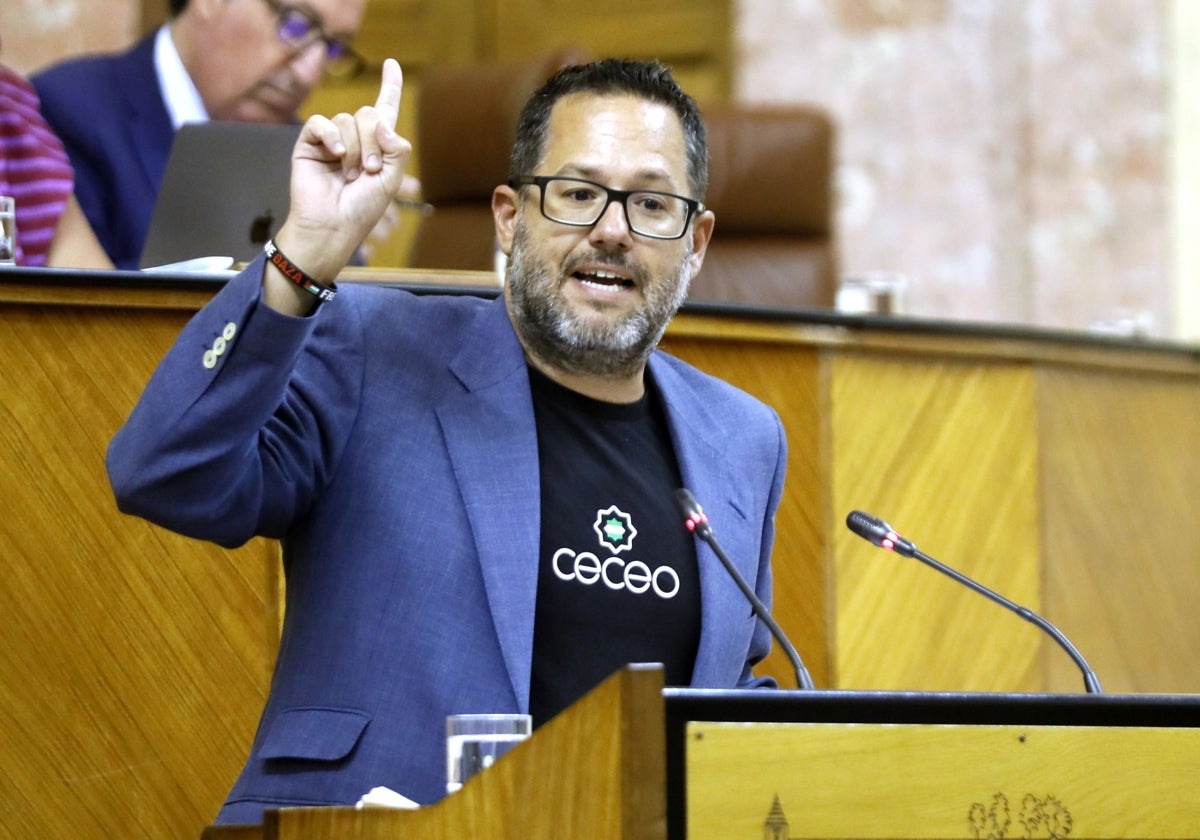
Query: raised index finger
x: 388, y: 103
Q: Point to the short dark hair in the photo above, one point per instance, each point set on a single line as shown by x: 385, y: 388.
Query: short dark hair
x: 649, y: 80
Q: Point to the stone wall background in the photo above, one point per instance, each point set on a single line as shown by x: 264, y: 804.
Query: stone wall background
x: 34, y: 33
x: 1008, y: 156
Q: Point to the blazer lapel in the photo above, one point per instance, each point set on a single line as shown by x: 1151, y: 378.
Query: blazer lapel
x: 706, y: 472
x: 492, y: 443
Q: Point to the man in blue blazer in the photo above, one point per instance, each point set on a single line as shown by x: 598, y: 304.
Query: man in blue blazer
x: 250, y: 61
x: 475, y: 497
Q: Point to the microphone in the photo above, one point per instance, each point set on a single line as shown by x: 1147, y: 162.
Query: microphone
x: 697, y: 523
x: 878, y: 532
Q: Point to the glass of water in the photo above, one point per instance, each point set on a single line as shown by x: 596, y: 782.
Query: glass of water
x: 474, y: 742
x: 8, y: 230
x: 872, y: 292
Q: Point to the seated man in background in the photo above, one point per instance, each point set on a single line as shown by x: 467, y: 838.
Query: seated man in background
x: 35, y: 172
x: 242, y: 60
x: 476, y: 498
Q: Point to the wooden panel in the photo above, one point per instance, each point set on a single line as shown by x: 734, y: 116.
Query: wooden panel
x: 695, y: 38
x: 135, y: 662
x: 1121, y: 480
x: 418, y: 33
x: 941, y: 433
x: 153, y: 13
x: 793, y: 781
x: 947, y: 453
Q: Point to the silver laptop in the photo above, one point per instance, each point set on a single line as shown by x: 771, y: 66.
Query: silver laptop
x: 224, y: 192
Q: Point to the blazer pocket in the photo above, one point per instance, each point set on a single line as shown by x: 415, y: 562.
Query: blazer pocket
x: 318, y: 734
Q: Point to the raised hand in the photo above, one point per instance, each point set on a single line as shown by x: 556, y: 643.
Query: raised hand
x: 346, y: 170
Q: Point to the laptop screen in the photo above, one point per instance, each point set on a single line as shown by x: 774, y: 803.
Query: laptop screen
x: 224, y: 192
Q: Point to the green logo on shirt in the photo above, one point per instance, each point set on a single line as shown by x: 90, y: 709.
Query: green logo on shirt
x: 615, y: 529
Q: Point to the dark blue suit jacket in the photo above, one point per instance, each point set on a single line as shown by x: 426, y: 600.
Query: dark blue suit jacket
x: 109, y: 112
x: 390, y: 442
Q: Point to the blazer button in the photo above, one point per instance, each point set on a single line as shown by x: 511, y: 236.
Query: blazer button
x: 230, y: 331
x: 219, y: 345
x: 210, y: 359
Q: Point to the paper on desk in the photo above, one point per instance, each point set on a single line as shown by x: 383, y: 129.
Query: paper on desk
x: 382, y: 797
x: 200, y: 265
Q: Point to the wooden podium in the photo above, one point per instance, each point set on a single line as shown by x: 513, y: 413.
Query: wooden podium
x: 787, y: 765
x: 596, y: 770
x: 635, y: 760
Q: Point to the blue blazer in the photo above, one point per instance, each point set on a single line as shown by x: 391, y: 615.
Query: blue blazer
x: 108, y: 110
x: 389, y: 442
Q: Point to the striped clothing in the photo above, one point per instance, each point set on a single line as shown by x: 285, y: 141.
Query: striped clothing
x: 34, y: 168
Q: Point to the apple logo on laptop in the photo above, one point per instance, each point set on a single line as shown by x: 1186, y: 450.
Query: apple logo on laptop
x: 261, y: 227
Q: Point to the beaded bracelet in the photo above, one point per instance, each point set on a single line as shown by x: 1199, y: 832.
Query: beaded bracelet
x: 293, y: 272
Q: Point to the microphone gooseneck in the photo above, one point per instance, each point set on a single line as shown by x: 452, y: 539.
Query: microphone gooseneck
x: 877, y: 532
x: 696, y: 522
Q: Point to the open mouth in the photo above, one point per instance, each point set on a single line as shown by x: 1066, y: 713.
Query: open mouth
x: 603, y: 281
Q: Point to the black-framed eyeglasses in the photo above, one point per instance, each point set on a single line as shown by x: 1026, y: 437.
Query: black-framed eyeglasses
x: 574, y: 201
x: 299, y: 28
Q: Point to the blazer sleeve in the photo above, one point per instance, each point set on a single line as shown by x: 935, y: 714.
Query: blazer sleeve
x: 243, y: 420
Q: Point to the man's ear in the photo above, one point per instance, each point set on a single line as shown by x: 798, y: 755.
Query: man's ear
x: 505, y: 208
x: 702, y: 231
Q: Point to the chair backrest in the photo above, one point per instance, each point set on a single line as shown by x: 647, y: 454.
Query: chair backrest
x: 770, y: 183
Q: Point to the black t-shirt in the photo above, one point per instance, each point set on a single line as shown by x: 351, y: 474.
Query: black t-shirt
x: 617, y: 578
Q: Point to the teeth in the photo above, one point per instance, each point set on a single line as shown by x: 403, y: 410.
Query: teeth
x: 606, y: 280
x: 601, y: 274
x: 595, y: 285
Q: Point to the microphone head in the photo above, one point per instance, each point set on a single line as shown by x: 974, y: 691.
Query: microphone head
x: 693, y: 516
x: 877, y: 532
x: 866, y: 526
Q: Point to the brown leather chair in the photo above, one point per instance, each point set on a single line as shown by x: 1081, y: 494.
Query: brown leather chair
x: 770, y: 183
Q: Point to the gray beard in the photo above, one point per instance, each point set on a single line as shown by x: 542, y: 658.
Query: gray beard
x: 560, y: 338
